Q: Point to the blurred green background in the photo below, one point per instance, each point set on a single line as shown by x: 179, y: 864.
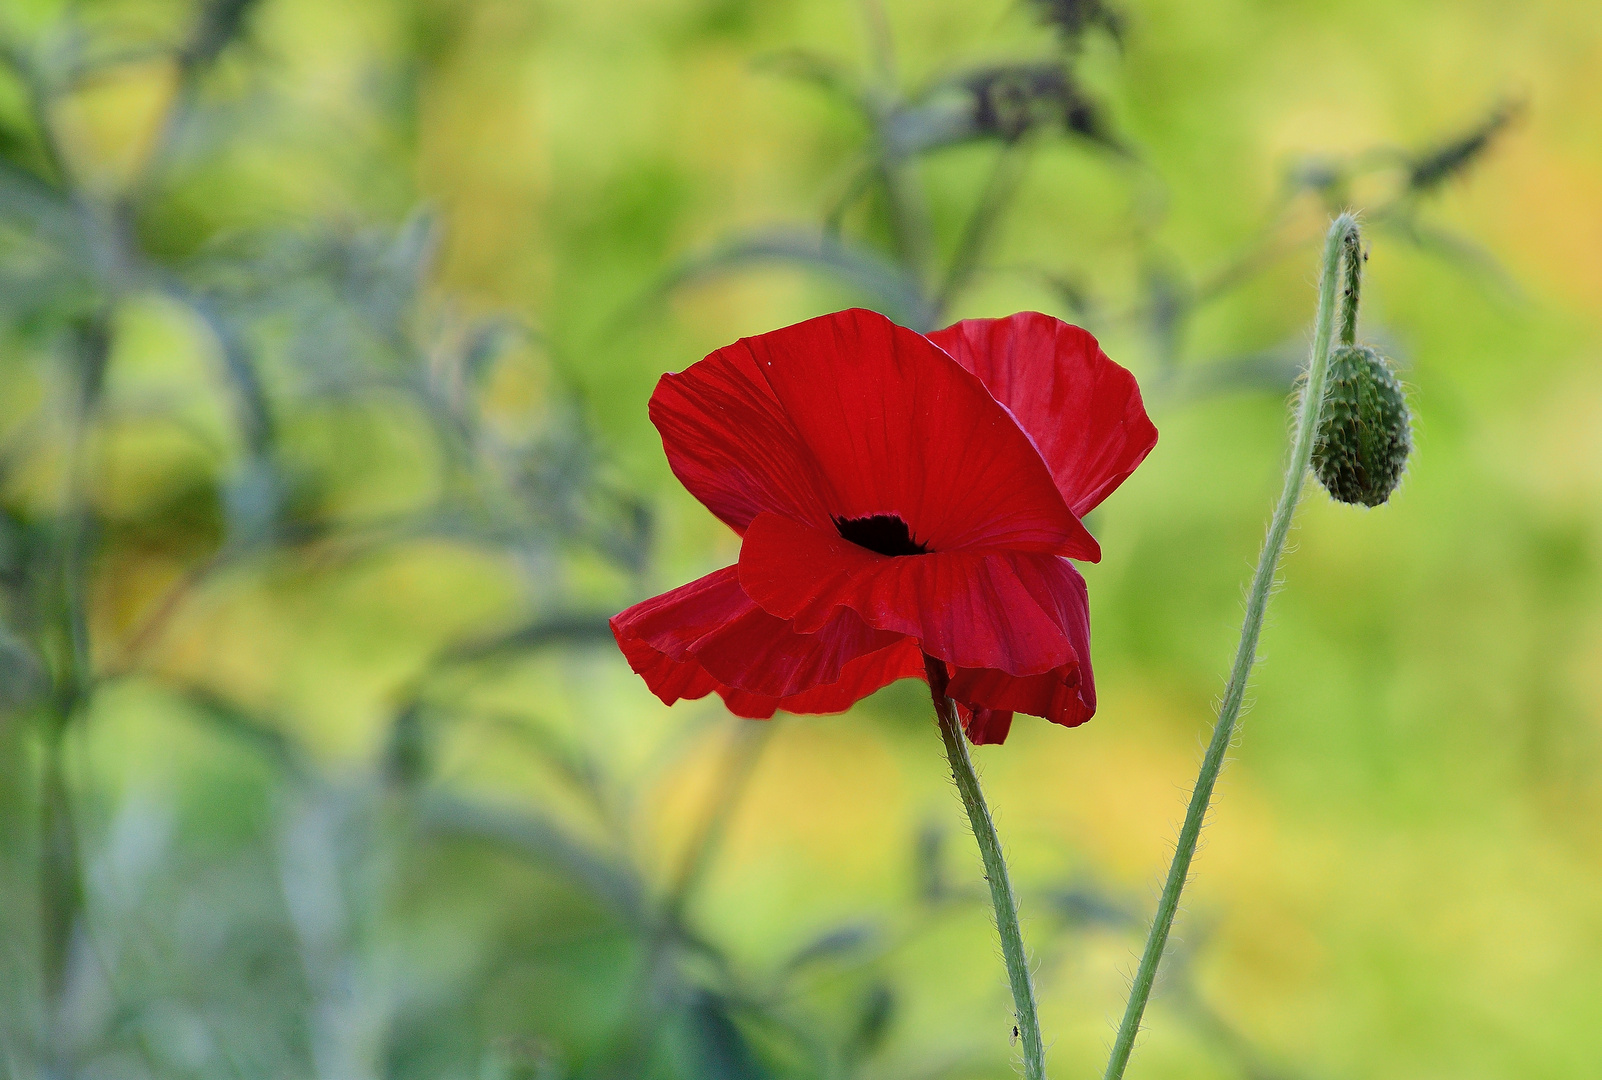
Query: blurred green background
x: 327, y: 335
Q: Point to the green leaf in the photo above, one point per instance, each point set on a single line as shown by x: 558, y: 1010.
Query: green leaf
x: 824, y: 72
x: 720, y: 1050
x: 526, y: 832
x: 840, y: 942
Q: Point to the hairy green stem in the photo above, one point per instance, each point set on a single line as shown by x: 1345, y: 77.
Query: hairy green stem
x: 1001, y: 896
x: 1351, y: 287
x: 1342, y: 238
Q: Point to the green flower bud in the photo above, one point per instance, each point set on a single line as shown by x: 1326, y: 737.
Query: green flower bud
x: 1365, y: 433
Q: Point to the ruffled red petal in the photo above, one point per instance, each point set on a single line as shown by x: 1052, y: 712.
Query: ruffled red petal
x: 675, y: 680
x: 851, y: 416
x: 858, y: 679
x: 669, y: 679
x: 1082, y: 410
x: 708, y: 636
x: 984, y: 726
x: 1016, y: 612
x: 1064, y: 695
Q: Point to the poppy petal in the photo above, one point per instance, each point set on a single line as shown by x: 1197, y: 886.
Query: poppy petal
x: 673, y: 681
x: 851, y: 416
x: 669, y: 679
x: 858, y: 679
x: 1063, y: 695
x: 1083, y: 411
x: 1016, y: 612
x: 984, y: 726
x: 712, y: 622
x: 730, y: 443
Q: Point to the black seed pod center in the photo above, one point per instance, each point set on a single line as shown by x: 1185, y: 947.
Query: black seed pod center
x: 885, y: 533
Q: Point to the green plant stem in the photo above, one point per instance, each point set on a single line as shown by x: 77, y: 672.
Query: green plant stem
x: 1001, y: 896
x: 61, y: 894
x: 909, y: 216
x: 746, y: 741
x: 1342, y: 238
x: 1000, y: 186
x: 660, y: 980
x: 60, y: 881
x: 1351, y: 287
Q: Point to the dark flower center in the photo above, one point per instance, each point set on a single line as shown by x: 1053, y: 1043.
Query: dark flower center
x: 885, y: 533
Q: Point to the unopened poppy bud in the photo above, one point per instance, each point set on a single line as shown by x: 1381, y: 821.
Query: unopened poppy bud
x: 1365, y: 432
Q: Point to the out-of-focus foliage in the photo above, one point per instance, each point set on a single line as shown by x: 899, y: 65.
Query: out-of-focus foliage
x: 326, y: 331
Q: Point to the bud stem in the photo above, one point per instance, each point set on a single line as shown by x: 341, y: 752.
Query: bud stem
x: 1352, y: 286
x: 1342, y: 238
x: 1001, y: 896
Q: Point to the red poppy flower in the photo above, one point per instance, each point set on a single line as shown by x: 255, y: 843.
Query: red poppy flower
x: 898, y: 495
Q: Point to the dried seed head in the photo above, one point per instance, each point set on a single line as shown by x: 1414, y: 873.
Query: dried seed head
x: 1072, y: 19
x: 1365, y: 432
x: 1010, y: 101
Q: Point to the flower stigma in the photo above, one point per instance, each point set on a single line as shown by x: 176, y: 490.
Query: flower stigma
x: 886, y: 534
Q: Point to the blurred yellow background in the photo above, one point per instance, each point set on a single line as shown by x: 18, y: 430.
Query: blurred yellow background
x: 1403, y: 873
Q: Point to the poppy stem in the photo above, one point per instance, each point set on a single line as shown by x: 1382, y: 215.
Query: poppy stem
x: 1001, y: 896
x: 1342, y: 238
x: 1351, y: 287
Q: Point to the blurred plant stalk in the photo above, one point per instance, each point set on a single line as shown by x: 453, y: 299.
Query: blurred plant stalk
x: 77, y: 254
